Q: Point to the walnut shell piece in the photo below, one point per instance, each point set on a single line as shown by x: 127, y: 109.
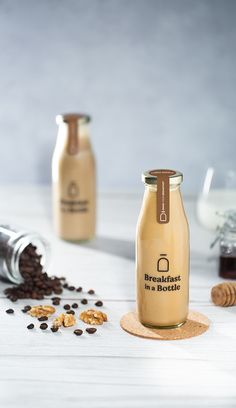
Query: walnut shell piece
x: 58, y: 321
x: 92, y: 316
x: 41, y: 310
x: 69, y: 320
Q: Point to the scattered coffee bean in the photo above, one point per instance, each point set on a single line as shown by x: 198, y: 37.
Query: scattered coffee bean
x: 30, y: 326
x: 56, y: 298
x: 91, y: 330
x: 66, y: 307
x: 71, y: 288
x: 65, y: 286
x: 75, y: 305
x: 91, y: 292
x: 26, y: 309
x: 70, y: 312
x: 99, y: 303
x: 54, y: 329
x: 56, y: 302
x: 43, y: 319
x: 84, y: 301
x: 43, y: 326
x: 78, y: 332
x: 79, y: 289
x: 9, y: 311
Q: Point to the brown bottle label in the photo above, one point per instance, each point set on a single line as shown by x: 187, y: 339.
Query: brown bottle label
x: 163, y: 194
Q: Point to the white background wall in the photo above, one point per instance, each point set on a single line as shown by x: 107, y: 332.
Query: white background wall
x: 158, y: 77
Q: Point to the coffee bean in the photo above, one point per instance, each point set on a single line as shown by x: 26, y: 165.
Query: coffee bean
x: 66, y: 307
x: 91, y: 330
x: 54, y: 329
x: 79, y: 289
x: 56, y: 302
x: 78, y: 332
x: 70, y: 312
x: 43, y: 319
x: 56, y: 298
x: 71, y: 288
x: 91, y: 292
x: 65, y: 286
x: 26, y: 309
x: 58, y: 291
x: 84, y: 301
x: 43, y: 326
x: 75, y: 305
x: 9, y: 311
x: 30, y: 326
x: 99, y: 303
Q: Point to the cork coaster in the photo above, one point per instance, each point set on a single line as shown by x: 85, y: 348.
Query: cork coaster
x: 195, y: 325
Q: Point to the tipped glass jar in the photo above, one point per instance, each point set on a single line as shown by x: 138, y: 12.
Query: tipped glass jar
x: 13, y: 244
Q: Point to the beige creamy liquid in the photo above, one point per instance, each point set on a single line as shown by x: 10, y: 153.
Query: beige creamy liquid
x: 162, y: 253
x: 74, y: 188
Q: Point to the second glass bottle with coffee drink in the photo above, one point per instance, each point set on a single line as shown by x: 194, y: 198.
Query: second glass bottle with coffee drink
x: 162, y: 252
x: 74, y: 179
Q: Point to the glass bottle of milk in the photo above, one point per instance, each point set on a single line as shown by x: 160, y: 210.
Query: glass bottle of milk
x: 162, y: 252
x: 74, y: 179
x: 217, y: 196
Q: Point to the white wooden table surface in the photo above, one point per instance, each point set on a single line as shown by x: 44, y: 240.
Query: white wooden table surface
x: 112, y: 368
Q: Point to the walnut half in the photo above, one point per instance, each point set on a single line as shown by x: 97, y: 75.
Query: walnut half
x: 92, y: 316
x: 41, y: 310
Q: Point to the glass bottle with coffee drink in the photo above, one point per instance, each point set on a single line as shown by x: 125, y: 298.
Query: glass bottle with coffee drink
x: 162, y: 252
x: 74, y: 179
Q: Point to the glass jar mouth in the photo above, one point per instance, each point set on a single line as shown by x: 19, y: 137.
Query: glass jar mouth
x: 23, y: 240
x: 150, y: 178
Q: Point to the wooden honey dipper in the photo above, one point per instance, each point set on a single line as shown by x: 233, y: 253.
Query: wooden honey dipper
x: 224, y: 294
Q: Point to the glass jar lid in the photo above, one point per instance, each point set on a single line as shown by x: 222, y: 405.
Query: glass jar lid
x: 150, y: 176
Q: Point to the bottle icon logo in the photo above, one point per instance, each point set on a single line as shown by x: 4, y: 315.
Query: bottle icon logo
x: 163, y: 263
x: 73, y: 189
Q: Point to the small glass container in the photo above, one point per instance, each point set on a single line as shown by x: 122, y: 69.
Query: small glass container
x: 227, y: 260
x: 12, y: 243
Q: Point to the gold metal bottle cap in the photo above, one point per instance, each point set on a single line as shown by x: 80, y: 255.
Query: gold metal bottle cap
x: 72, y: 117
x: 150, y: 176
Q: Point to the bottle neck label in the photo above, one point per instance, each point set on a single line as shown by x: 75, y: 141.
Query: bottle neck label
x: 163, y: 195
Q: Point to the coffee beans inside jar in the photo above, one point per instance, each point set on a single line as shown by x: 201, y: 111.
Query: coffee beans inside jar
x: 35, y: 282
x: 23, y: 259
